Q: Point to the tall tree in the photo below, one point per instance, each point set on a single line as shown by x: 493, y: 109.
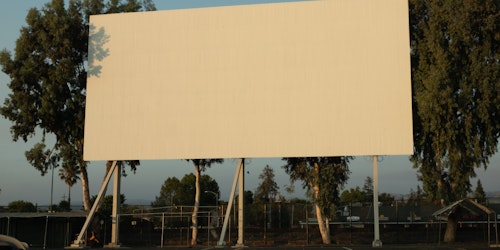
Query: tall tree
x: 368, y: 189
x: 268, y: 188
x: 48, y: 84
x: 170, y: 188
x: 479, y: 193
x: 181, y: 192
x: 455, y: 71
x: 324, y: 177
x: 69, y: 174
x: 48, y: 81
x: 352, y: 195
x: 199, y: 166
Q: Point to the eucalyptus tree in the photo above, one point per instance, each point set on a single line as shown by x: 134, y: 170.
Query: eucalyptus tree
x: 48, y: 82
x: 456, y: 83
x: 323, y: 177
x: 199, y: 166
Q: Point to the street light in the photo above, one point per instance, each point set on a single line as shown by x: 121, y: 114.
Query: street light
x: 216, y: 205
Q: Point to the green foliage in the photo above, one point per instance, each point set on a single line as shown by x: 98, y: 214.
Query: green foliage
x: 168, y: 190
x: 386, y: 199
x: 64, y: 206
x: 248, y: 197
x: 205, y: 163
x: 479, y: 194
x: 356, y: 195
x: 368, y: 189
x: 21, y: 206
x: 456, y: 79
x: 324, y: 176
x: 107, y: 204
x: 268, y: 188
x: 297, y: 201
x: 353, y: 195
x: 416, y: 198
x: 48, y: 82
x: 181, y: 192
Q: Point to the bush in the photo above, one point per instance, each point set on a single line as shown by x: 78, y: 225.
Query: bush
x: 21, y: 206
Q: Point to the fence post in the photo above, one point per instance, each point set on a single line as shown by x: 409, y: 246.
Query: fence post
x: 162, y: 228
x: 307, y: 224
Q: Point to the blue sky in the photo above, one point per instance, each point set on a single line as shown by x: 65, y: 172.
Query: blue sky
x: 20, y: 181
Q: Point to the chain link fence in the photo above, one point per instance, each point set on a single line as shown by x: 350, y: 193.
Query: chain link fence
x: 290, y: 224
x: 265, y: 224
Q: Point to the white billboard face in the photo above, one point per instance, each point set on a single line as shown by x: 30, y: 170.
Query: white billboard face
x: 316, y: 78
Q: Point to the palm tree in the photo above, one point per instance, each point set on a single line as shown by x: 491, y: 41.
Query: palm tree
x: 69, y: 174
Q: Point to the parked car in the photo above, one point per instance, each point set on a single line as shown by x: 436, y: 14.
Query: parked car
x: 13, y: 243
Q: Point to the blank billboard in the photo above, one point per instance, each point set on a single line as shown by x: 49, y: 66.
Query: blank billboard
x: 314, y: 78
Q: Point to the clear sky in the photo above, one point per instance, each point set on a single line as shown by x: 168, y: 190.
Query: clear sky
x: 20, y: 181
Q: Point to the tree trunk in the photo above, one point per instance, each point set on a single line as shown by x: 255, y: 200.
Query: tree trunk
x: 451, y: 229
x: 324, y: 228
x: 194, y: 216
x: 108, y: 167
x: 84, y: 177
x: 69, y: 196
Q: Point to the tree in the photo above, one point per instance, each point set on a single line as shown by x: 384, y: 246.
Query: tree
x: 199, y: 166
x: 106, y: 208
x: 386, y: 199
x: 353, y: 195
x: 175, y: 192
x: 48, y: 82
x: 69, y: 174
x: 323, y: 177
x: 479, y: 194
x: 455, y: 77
x: 368, y: 190
x: 187, y: 192
x: 248, y: 197
x: 168, y: 192
x: 416, y: 197
x: 268, y: 188
x: 21, y: 206
x: 64, y: 206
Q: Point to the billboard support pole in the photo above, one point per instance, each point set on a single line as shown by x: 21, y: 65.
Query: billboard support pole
x: 79, y: 243
x: 241, y: 194
x: 116, y: 208
x: 376, y: 241
x: 237, y: 174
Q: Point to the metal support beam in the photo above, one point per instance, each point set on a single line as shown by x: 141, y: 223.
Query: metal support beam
x: 237, y: 174
x: 241, y: 210
x: 79, y: 243
x: 376, y: 241
x: 116, y: 208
